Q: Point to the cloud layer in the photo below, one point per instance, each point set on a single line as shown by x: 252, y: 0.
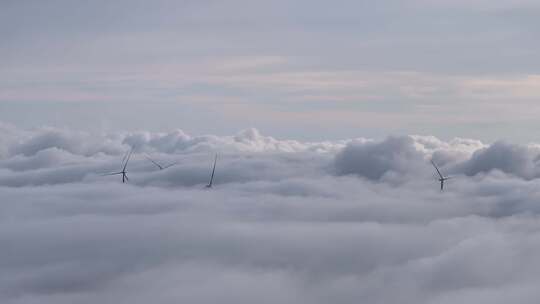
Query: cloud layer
x: 352, y: 221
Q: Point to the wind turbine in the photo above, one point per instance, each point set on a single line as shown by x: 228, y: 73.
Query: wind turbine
x: 125, y: 161
x: 213, y: 172
x: 158, y: 165
x: 442, y: 178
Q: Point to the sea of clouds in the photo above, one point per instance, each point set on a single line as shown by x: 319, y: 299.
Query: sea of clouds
x: 351, y: 221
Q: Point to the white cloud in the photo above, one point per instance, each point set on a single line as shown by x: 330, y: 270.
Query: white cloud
x: 287, y: 221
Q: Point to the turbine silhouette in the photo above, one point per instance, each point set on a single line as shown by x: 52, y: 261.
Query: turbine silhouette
x: 442, y: 178
x: 161, y: 167
x: 125, y: 161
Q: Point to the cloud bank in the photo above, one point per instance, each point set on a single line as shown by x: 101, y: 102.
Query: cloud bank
x: 352, y: 221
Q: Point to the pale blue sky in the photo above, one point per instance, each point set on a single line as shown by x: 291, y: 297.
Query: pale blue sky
x: 296, y: 69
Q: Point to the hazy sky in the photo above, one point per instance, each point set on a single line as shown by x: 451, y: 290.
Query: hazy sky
x: 296, y: 69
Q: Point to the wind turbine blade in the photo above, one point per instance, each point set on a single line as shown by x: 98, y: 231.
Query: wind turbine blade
x: 436, y: 168
x: 170, y: 165
x: 127, y: 179
x: 114, y: 173
x: 124, y: 157
x: 155, y: 163
x: 213, y: 172
x: 127, y: 160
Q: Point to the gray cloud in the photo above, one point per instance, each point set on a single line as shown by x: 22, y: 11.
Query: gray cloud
x: 374, y: 160
x: 519, y: 160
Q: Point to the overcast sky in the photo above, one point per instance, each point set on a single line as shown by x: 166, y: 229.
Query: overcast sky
x: 305, y: 69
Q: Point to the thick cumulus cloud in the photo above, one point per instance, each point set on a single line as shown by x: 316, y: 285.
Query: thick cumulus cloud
x: 519, y: 160
x: 374, y: 160
x: 352, y: 221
